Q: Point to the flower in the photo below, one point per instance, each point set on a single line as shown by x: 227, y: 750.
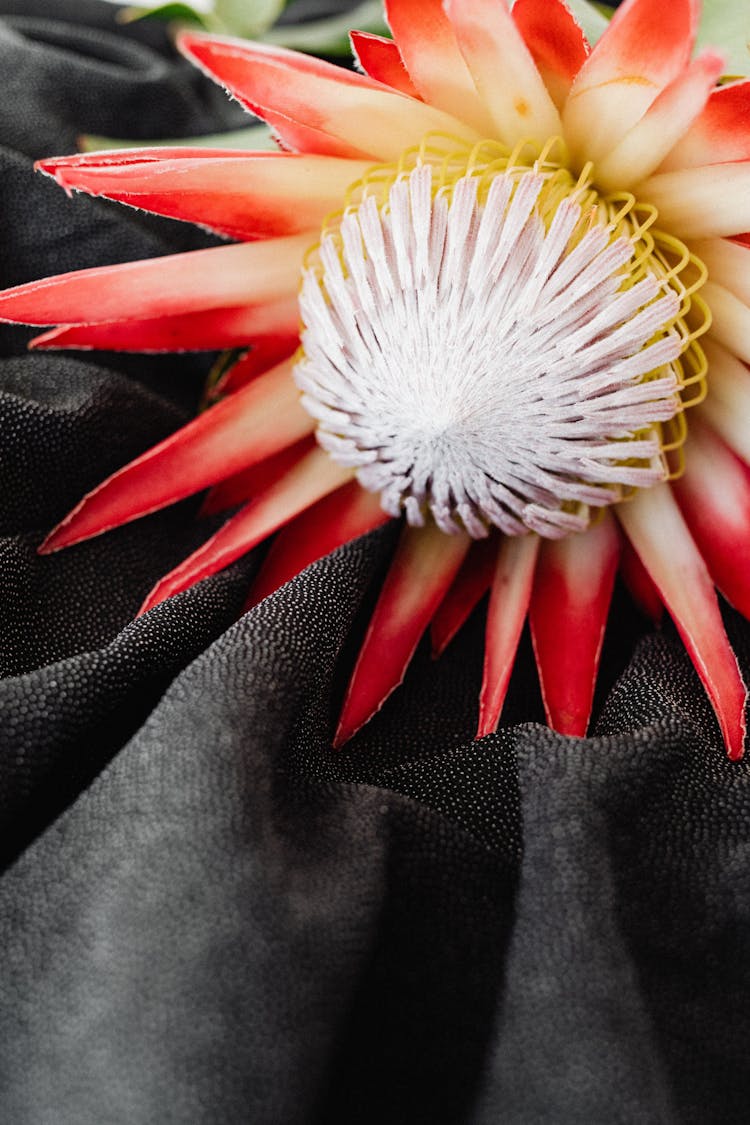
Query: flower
x: 503, y: 269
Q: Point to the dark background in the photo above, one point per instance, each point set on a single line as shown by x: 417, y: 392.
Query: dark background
x: 207, y: 916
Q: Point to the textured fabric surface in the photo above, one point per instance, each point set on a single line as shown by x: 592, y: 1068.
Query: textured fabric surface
x: 206, y: 915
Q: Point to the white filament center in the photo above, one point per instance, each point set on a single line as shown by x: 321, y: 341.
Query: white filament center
x: 474, y: 362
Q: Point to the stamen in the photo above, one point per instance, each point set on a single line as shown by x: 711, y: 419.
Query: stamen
x: 493, y: 344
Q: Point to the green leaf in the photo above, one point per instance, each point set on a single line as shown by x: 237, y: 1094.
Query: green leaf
x: 254, y: 138
x: 591, y: 18
x: 725, y: 24
x: 250, y: 18
x: 330, y: 36
x: 171, y: 11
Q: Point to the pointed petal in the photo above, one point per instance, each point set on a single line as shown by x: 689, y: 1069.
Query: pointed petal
x: 658, y: 532
x: 338, y: 518
x: 423, y: 568
x: 640, y: 584
x: 432, y: 58
x: 714, y: 496
x: 253, y: 481
x: 381, y: 59
x: 556, y: 43
x: 312, y: 477
x: 642, y: 149
x: 196, y: 331
x: 504, y: 71
x: 727, y: 404
x: 472, y: 583
x: 721, y: 133
x: 568, y: 615
x: 730, y: 319
x: 154, y: 153
x: 644, y: 48
x: 315, y: 106
x: 246, y: 196
x: 251, y: 425
x: 710, y: 202
x: 220, y: 277
x: 728, y: 263
x: 266, y: 352
x: 509, y: 602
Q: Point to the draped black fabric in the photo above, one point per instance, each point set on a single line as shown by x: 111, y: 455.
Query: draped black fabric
x: 206, y: 914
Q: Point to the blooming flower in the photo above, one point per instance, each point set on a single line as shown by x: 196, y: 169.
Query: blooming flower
x: 487, y: 284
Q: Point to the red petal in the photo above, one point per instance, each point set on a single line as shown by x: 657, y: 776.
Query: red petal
x: 642, y: 149
x: 246, y: 484
x: 668, y: 30
x: 344, y: 515
x: 312, y: 477
x: 708, y: 202
x: 245, y: 196
x: 503, y: 71
x: 239, y: 431
x: 727, y: 405
x: 730, y: 318
x: 714, y: 495
x: 315, y: 106
x: 568, y: 615
x: 381, y: 59
x: 219, y: 278
x: 472, y: 583
x: 431, y: 55
x: 265, y: 354
x: 423, y: 568
x: 555, y: 40
x: 645, y: 47
x: 197, y: 331
x: 720, y: 134
x: 728, y: 263
x: 640, y: 585
x: 509, y: 602
x: 659, y: 534
x: 154, y: 153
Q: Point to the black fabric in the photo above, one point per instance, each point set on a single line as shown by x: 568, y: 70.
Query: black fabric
x: 207, y: 915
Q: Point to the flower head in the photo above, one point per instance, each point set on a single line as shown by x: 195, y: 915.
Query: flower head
x: 498, y: 285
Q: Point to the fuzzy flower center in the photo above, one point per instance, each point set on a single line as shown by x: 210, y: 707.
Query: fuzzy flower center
x: 489, y: 341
